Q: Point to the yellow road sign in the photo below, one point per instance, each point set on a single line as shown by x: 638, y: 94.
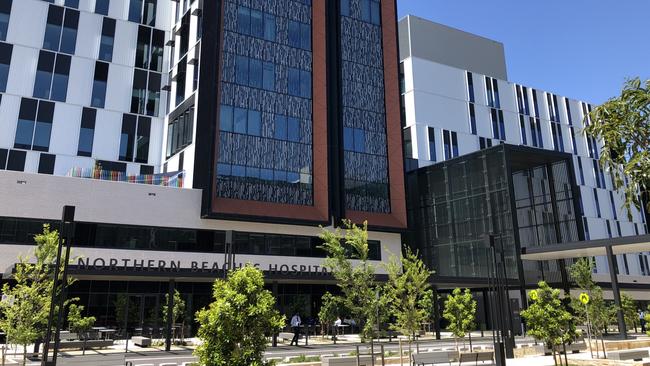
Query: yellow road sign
x: 584, y: 298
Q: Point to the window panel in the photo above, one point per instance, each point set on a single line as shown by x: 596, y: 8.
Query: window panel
x: 101, y: 6
x: 127, y: 137
x: 87, y: 132
x: 99, y: 85
x: 6, y: 51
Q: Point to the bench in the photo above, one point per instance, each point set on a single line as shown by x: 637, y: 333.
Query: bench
x: 432, y: 358
x: 141, y: 341
x: 78, y: 344
x: 476, y: 357
x: 630, y: 354
x: 95, y: 360
x: 347, y: 361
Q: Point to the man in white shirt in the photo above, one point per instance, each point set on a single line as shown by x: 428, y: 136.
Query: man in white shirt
x: 295, y: 325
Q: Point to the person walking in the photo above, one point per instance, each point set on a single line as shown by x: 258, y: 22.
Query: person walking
x: 295, y: 326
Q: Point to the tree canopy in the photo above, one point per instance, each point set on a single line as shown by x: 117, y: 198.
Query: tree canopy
x: 233, y: 329
x: 623, y: 125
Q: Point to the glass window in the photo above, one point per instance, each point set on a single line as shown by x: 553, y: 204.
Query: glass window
x: 293, y: 129
x: 375, y: 12
x: 268, y: 81
x: 149, y: 12
x: 241, y: 115
x: 225, y: 120
x: 345, y: 8
x: 44, y: 71
x: 5, y: 62
x: 138, y: 95
x: 142, y: 140
x: 294, y: 81
x: 53, y: 28
x: 257, y: 21
x: 244, y: 20
x: 254, y: 123
x: 305, y: 36
x: 5, y: 11
x: 255, y: 73
x: 269, y: 27
x: 87, y: 132
x: 153, y: 94
x: 359, y: 140
x: 305, y: 84
x: 43, y: 127
x: 143, y: 48
x: 127, y: 137
x: 69, y: 35
x: 294, y: 34
x: 107, y: 40
x: 280, y: 132
x: 60, y: 79
x: 101, y: 6
x: 348, y: 139
x: 135, y: 11
x: 241, y: 66
x: 26, y: 122
x: 99, y: 85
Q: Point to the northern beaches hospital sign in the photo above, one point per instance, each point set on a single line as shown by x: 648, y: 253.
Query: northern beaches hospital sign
x: 170, y: 266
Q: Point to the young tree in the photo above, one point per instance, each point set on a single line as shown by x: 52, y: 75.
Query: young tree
x: 80, y: 324
x: 233, y: 329
x: 628, y: 305
x: 460, y: 313
x: 547, y: 319
x: 26, y: 312
x: 178, y: 311
x: 623, y: 125
x: 407, y: 288
x: 347, y: 259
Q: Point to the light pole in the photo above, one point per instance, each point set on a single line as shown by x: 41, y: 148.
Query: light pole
x: 65, y: 238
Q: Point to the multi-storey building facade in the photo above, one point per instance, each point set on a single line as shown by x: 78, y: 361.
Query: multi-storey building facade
x: 274, y: 117
x: 457, y: 100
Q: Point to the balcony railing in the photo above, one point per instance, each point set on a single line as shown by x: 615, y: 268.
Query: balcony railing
x: 172, y: 179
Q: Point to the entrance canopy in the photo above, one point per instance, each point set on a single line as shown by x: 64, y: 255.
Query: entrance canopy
x: 589, y: 248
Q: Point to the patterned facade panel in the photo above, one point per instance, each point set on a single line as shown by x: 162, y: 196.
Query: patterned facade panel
x: 363, y: 110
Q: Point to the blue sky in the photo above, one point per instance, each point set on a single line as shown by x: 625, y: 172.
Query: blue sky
x: 583, y: 49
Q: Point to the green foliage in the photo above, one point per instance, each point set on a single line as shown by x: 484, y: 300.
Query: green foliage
x: 547, y: 319
x: 178, y: 313
x: 407, y: 289
x: 77, y: 322
x: 356, y: 280
x: 26, y: 309
x: 581, y: 272
x: 234, y: 327
x: 460, y: 312
x: 628, y: 305
x: 623, y: 125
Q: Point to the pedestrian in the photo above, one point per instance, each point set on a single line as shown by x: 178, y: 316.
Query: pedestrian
x: 295, y: 326
x: 642, y: 320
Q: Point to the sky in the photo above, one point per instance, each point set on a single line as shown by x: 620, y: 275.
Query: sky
x: 582, y: 49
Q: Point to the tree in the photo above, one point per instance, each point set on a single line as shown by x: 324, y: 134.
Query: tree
x: 460, y: 313
x: 80, y: 324
x: 547, y: 319
x: 178, y: 311
x: 331, y: 308
x: 233, y: 329
x: 407, y: 288
x: 628, y: 305
x: 347, y: 259
x: 26, y: 311
x: 623, y: 125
